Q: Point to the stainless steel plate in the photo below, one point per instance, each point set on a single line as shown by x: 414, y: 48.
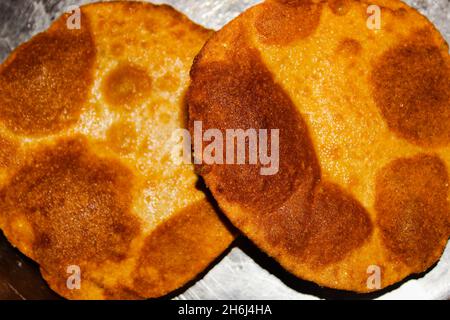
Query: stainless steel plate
x: 243, y: 272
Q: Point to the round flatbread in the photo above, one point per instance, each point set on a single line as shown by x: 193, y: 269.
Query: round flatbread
x: 91, y: 185
x: 360, y: 197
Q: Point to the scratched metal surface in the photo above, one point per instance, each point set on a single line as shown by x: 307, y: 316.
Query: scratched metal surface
x: 243, y: 272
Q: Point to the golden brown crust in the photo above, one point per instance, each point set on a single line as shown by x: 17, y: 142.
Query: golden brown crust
x: 339, y: 7
x: 77, y: 204
x: 126, y: 86
x: 328, y: 216
x: 99, y: 189
x: 223, y: 95
x: 235, y: 87
x: 8, y: 151
x: 282, y: 22
x: 411, y: 86
x: 338, y: 225
x: 411, y: 197
x: 122, y: 137
x: 45, y: 82
x: 167, y: 259
x: 349, y: 47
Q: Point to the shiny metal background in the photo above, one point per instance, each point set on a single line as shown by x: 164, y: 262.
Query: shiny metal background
x: 243, y: 272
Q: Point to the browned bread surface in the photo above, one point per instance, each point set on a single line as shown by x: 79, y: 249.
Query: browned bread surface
x: 87, y: 175
x: 364, y: 119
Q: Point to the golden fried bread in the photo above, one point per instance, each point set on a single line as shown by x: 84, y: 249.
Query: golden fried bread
x: 364, y: 119
x: 88, y: 177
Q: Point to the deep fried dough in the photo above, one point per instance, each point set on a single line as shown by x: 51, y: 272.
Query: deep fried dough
x: 86, y: 173
x: 364, y: 119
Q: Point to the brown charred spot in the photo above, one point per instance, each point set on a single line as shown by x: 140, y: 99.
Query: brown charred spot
x: 349, y: 47
x: 320, y: 226
x: 77, y: 203
x: 173, y: 253
x: 411, y: 87
x: 45, y: 82
x: 400, y: 12
x: 8, y: 152
x: 126, y: 86
x: 297, y: 213
x: 338, y: 225
x: 282, y: 22
x: 339, y: 7
x: 242, y: 94
x: 412, y: 209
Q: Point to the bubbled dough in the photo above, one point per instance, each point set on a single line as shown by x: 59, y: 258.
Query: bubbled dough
x: 86, y: 172
x: 364, y: 131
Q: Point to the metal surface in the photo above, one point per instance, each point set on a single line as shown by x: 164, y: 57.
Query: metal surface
x: 243, y: 272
